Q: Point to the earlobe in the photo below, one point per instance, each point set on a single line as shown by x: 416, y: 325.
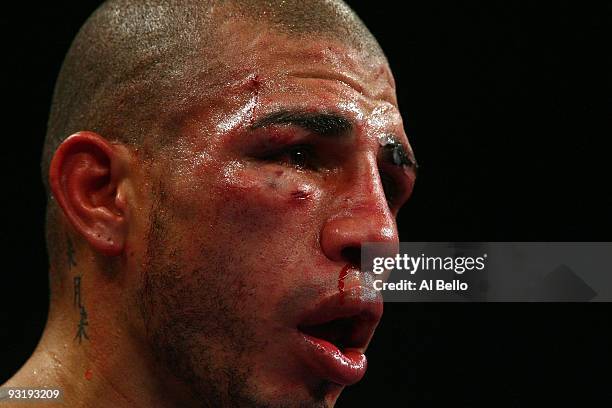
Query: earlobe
x: 84, y: 177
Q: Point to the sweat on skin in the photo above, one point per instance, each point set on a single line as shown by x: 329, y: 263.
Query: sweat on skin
x: 215, y: 167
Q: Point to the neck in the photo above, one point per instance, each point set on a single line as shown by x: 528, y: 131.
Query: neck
x: 100, y: 364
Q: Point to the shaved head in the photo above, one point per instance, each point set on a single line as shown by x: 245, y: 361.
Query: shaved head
x: 133, y: 66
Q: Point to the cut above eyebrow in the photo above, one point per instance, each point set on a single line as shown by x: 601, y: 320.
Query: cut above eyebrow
x: 324, y: 124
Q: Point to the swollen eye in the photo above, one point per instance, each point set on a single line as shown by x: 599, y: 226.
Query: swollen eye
x: 298, y: 157
x: 301, y: 157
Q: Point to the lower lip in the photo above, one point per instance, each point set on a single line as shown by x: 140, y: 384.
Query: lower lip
x: 327, y: 361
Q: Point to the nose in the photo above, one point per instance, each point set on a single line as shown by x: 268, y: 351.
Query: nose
x: 362, y: 216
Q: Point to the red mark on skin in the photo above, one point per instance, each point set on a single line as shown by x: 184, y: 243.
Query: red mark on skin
x: 273, y: 137
x: 88, y: 375
x: 254, y: 84
x: 341, y: 278
x: 343, y: 274
x: 300, y: 195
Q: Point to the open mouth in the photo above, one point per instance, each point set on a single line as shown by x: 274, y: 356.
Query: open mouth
x: 336, y: 334
x: 342, y: 333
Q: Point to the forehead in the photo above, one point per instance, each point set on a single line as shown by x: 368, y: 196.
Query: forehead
x: 257, y: 70
x: 278, y: 55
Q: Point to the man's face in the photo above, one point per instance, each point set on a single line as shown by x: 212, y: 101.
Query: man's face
x: 250, y: 284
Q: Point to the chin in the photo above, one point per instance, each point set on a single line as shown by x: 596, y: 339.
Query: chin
x: 322, y: 396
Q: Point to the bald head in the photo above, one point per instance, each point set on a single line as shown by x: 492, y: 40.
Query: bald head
x: 136, y: 64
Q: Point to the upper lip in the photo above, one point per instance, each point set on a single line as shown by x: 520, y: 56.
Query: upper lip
x: 346, y: 319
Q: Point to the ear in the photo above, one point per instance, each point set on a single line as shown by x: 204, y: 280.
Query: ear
x: 84, y: 177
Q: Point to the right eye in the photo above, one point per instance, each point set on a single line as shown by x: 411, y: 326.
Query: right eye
x: 301, y: 157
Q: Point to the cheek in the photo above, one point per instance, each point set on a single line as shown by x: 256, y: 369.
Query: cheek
x: 269, y: 190
x: 256, y: 207
x: 246, y: 207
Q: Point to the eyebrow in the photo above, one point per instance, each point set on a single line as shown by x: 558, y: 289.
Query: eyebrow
x: 332, y: 124
x: 324, y: 124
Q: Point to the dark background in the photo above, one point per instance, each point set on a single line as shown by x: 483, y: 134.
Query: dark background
x: 507, y: 107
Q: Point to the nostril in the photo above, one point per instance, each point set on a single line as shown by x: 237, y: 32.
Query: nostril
x: 352, y: 255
